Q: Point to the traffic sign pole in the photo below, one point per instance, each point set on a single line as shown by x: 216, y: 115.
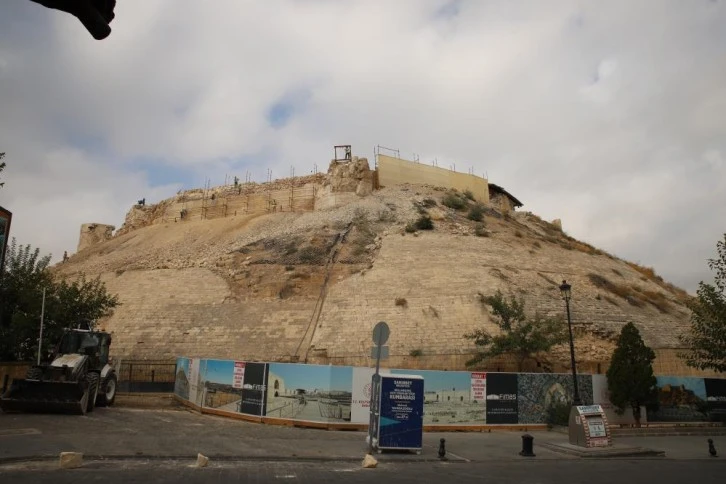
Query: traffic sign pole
x: 381, y: 332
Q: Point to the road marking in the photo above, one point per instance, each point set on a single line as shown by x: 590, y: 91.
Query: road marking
x: 11, y: 432
x: 286, y: 476
x: 458, y: 456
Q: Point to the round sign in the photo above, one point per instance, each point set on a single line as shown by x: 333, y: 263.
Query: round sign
x: 381, y: 333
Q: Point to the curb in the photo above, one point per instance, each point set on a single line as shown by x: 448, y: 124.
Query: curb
x: 223, y: 458
x: 605, y: 454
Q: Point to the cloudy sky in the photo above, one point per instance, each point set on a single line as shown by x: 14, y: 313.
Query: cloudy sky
x: 608, y: 115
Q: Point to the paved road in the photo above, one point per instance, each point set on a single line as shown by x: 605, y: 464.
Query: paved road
x: 123, y: 432
x: 534, y: 472
x: 127, y: 445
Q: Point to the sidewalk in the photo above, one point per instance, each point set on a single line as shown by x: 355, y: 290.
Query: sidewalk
x: 123, y: 433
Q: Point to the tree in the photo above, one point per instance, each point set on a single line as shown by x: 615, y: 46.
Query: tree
x: 67, y: 304
x: 81, y: 301
x: 706, y: 340
x: 519, y: 336
x: 2, y: 167
x: 630, y: 377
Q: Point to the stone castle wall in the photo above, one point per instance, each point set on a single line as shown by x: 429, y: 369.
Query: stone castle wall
x: 397, y: 171
x: 93, y: 234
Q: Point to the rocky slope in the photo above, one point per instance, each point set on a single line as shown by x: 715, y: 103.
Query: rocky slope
x: 310, y: 286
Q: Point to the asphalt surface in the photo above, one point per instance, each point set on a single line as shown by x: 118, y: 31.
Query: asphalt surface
x: 129, y: 445
x: 109, y: 432
x: 535, y: 472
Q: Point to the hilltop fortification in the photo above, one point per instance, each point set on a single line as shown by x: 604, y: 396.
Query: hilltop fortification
x: 301, y: 269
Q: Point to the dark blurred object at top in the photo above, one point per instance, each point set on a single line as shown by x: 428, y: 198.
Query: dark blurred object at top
x: 95, y: 15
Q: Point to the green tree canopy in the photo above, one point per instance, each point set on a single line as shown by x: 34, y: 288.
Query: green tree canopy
x: 519, y: 336
x: 67, y: 303
x: 706, y: 341
x: 630, y: 376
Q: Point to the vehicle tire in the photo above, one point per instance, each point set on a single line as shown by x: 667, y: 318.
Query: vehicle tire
x: 34, y: 373
x: 107, y: 392
x: 93, y: 380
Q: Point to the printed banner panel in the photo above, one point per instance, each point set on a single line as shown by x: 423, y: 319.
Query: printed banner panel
x: 222, y: 390
x: 238, y: 374
x: 314, y: 393
x: 537, y: 392
x: 502, y: 398
x: 448, y: 397
x: 254, y: 389
x: 181, y: 383
x: 361, y: 403
x: 601, y: 396
x: 680, y: 399
x: 716, y: 398
x: 337, y: 394
x: 196, y: 386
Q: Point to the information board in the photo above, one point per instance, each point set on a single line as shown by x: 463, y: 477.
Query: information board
x: 597, y: 427
x: 589, y: 427
x: 479, y: 387
x: 238, y: 375
x: 401, y: 412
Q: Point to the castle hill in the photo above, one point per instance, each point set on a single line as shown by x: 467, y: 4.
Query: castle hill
x: 301, y: 269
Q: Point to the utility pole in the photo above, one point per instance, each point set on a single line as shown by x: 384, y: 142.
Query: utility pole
x: 42, y: 315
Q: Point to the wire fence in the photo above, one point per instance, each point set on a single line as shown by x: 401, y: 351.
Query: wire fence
x: 147, y: 376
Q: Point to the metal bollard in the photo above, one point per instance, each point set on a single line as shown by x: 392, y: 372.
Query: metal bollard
x: 712, y: 448
x: 527, y: 446
x: 442, y: 449
x: 5, y: 383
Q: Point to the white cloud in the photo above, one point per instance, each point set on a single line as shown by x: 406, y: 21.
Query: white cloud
x: 714, y: 158
x: 608, y: 115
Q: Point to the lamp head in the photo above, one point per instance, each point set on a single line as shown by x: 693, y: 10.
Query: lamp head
x: 565, y: 289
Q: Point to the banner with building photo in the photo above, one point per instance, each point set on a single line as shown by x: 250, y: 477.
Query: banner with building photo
x: 449, y: 397
x: 181, y: 383
x: 5, y: 218
x: 315, y: 393
x: 501, y: 406
x: 222, y: 384
x: 254, y: 389
x: 680, y: 399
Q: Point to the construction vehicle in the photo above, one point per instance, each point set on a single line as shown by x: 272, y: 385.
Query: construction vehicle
x: 78, y: 378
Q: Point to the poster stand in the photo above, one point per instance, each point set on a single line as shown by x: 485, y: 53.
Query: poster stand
x: 589, y: 427
x: 400, y: 416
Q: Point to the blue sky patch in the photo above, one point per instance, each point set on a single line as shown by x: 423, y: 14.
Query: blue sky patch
x: 287, y: 106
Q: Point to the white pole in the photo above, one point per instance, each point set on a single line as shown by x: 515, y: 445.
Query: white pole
x: 42, y: 313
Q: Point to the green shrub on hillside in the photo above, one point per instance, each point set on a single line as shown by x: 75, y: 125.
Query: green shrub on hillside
x: 454, y: 200
x: 476, y: 213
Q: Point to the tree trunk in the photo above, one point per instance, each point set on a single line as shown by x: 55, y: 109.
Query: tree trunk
x: 636, y: 414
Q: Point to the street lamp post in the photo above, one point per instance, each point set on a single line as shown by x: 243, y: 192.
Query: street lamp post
x: 565, y: 290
